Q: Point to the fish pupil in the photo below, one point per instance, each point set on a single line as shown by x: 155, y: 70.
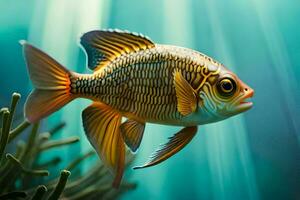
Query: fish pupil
x: 227, y: 86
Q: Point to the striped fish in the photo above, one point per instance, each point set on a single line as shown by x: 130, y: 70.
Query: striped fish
x: 140, y: 80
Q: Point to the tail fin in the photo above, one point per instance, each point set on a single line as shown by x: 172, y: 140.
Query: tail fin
x: 50, y: 80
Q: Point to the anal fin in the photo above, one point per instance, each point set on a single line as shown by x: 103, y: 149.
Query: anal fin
x: 101, y: 124
x: 132, y: 132
x: 174, y: 145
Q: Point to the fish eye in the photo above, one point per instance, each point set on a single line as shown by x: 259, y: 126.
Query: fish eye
x: 226, y: 87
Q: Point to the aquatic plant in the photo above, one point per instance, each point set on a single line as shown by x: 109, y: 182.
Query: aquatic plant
x: 23, y: 177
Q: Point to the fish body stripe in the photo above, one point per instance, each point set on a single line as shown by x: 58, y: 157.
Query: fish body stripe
x: 141, y: 83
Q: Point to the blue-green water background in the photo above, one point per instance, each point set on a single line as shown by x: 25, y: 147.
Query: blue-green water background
x: 255, y: 155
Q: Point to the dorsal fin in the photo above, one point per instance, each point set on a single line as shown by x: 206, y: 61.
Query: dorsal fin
x: 103, y: 46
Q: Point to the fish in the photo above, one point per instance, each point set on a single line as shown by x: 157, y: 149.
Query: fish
x: 135, y: 81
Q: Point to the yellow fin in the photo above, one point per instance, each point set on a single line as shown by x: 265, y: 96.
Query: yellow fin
x: 101, y: 125
x: 175, y: 144
x: 186, y: 99
x: 132, y: 132
x: 41, y: 103
x: 51, y: 80
x: 103, y: 46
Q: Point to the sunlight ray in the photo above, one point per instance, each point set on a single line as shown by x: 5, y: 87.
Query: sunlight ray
x: 281, y: 64
x: 232, y: 139
x: 58, y: 34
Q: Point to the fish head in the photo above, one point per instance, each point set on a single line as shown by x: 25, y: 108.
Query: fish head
x: 224, y: 95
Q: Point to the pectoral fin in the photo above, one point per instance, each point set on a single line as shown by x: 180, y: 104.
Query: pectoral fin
x: 132, y: 132
x: 175, y: 144
x: 186, y: 98
x: 101, y: 124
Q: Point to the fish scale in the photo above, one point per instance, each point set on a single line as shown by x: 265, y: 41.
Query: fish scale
x: 141, y: 82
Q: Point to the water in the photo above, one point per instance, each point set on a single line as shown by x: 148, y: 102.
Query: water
x: 255, y: 155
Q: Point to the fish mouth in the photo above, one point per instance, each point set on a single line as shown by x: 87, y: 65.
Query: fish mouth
x: 244, y: 104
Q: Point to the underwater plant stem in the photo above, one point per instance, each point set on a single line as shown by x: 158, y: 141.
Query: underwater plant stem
x: 16, y: 162
x: 57, y: 128
x: 77, y: 161
x: 94, y: 175
x: 85, y: 193
x: 32, y: 138
x: 49, y: 163
x: 2, y: 111
x: 19, y: 129
x: 39, y: 192
x: 64, y: 175
x: 7, y: 122
x: 9, y: 177
x: 13, y: 104
x: 13, y: 195
x: 20, y: 170
x: 20, y: 149
x: 9, y: 172
x: 4, y: 133
x: 123, y: 187
x: 58, y: 143
x: 43, y: 137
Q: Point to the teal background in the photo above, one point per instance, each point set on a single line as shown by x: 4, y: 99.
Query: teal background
x: 255, y: 155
